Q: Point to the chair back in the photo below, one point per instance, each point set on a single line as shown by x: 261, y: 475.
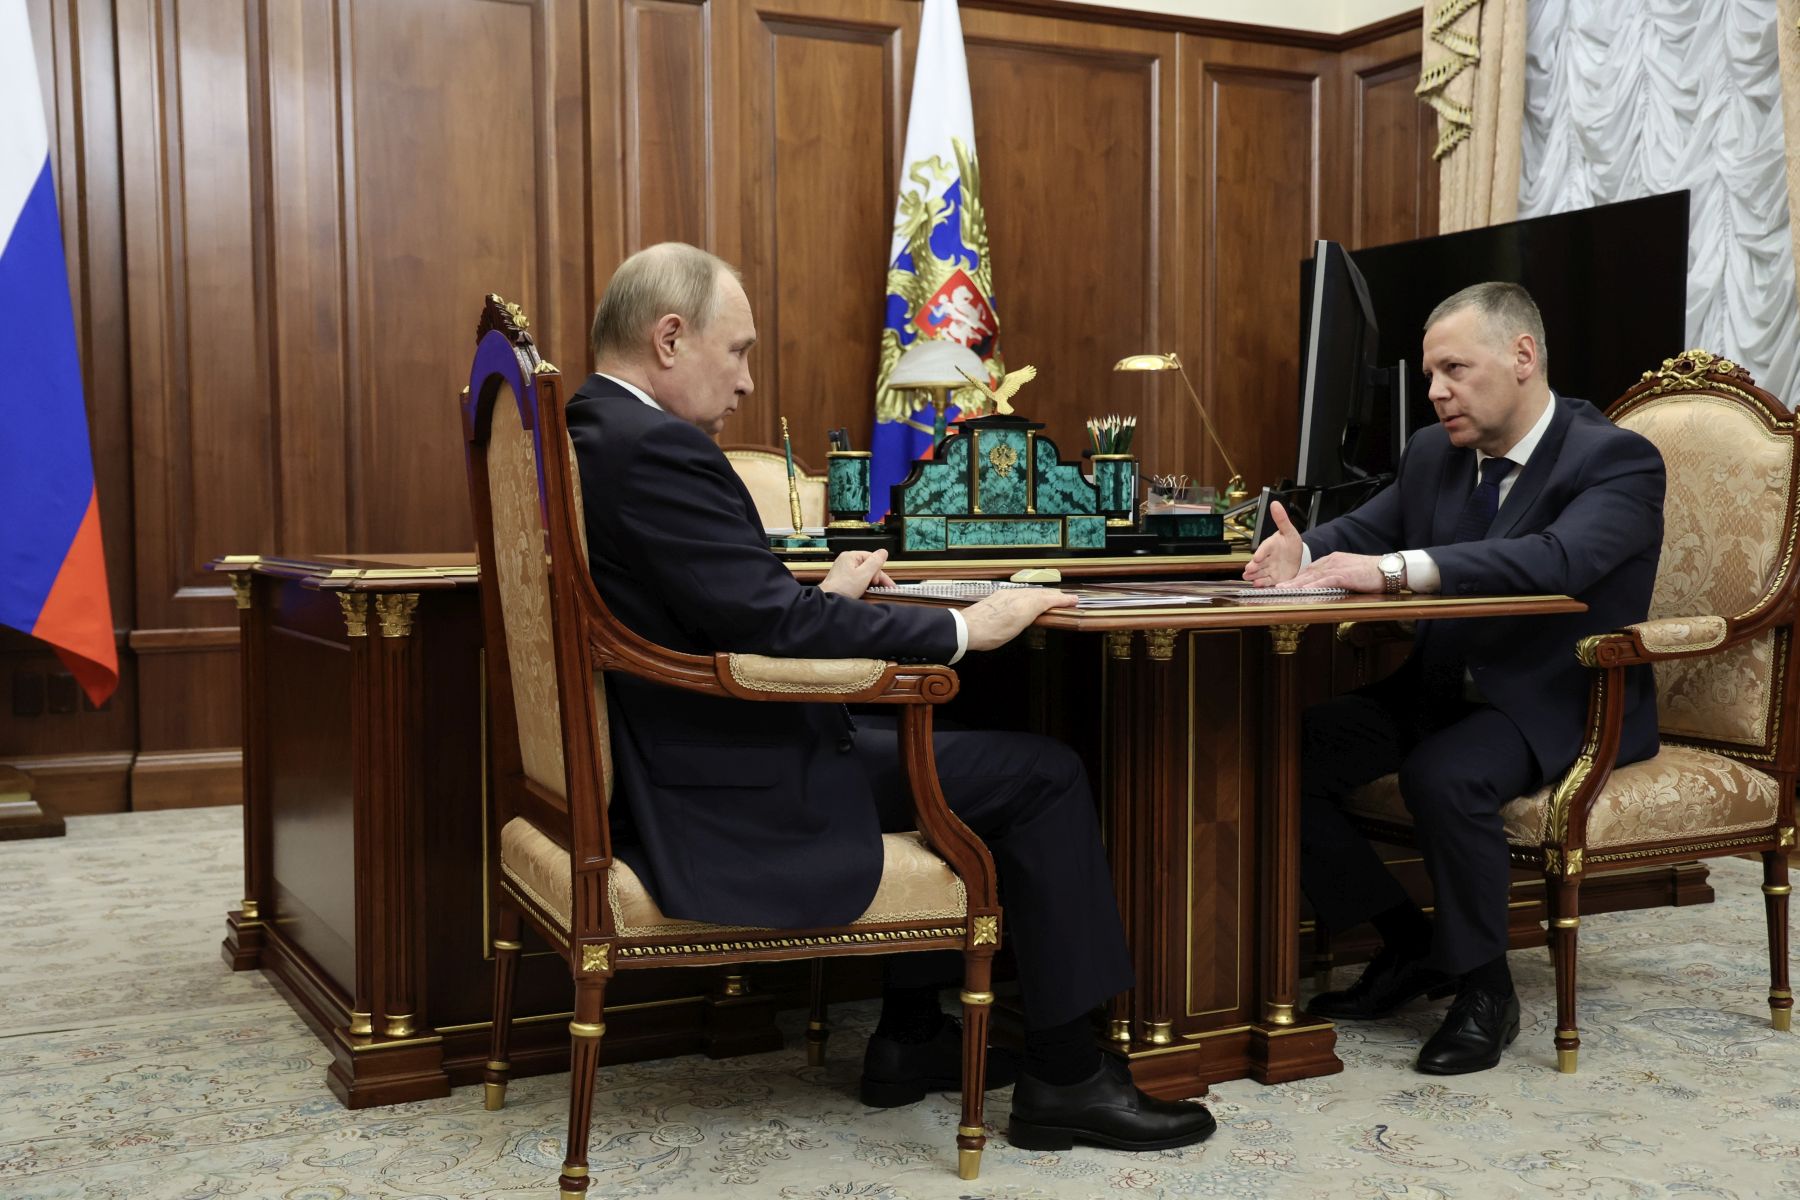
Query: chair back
x: 1728, y: 549
x: 551, y: 745
x: 764, y: 472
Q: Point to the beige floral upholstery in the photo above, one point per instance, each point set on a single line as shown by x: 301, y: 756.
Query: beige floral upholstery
x: 525, y: 595
x: 1684, y: 792
x: 1671, y: 634
x: 831, y: 675
x: 1722, y: 524
x: 915, y: 885
x: 764, y: 473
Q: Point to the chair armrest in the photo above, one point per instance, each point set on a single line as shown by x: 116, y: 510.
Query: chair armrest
x: 1654, y: 641
x: 837, y: 680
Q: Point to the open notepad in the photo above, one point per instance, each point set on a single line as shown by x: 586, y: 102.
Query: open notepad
x: 1158, y: 594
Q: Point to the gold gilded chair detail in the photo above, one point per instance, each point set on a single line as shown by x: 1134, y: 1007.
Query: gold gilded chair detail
x: 1720, y: 641
x: 550, y: 638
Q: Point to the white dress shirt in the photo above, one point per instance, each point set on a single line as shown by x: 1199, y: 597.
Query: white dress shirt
x: 962, y: 626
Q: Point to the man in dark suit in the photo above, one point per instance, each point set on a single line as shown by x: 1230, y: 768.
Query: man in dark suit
x: 771, y: 814
x: 1515, y: 491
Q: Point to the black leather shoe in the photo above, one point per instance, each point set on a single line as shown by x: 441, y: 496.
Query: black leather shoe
x: 1389, y: 981
x: 896, y: 1073
x: 1105, y: 1109
x: 1478, y: 1027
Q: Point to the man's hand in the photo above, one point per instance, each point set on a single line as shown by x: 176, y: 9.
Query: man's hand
x: 1277, y: 560
x: 1352, y: 572
x: 998, y: 619
x: 854, y: 571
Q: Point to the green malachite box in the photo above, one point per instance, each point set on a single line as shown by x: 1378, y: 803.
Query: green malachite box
x: 997, y: 485
x: 847, y: 487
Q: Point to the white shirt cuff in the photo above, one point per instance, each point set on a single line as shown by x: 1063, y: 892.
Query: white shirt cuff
x: 962, y: 637
x: 1305, y: 556
x: 1421, y: 572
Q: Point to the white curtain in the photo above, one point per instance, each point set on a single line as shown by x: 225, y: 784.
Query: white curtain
x: 1628, y: 98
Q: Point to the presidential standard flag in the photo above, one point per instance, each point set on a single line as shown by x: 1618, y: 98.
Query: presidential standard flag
x: 52, y: 571
x: 939, y: 282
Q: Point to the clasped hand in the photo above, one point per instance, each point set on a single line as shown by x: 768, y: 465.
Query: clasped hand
x: 1277, y: 562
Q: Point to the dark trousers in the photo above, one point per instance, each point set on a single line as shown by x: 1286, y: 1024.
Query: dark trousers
x: 1459, y: 765
x: 1027, y: 797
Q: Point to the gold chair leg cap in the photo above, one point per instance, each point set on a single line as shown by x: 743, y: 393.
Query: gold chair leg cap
x: 968, y: 1164
x: 1565, y: 1061
x: 1782, y: 1019
x: 494, y: 1096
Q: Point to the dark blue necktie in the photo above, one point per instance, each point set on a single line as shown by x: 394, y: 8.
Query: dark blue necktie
x: 1483, y: 504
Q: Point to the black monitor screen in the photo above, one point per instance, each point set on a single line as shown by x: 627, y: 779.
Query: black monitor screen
x: 1610, y: 281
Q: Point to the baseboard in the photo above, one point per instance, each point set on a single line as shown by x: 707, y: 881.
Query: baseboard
x: 79, y: 785
x: 187, y: 779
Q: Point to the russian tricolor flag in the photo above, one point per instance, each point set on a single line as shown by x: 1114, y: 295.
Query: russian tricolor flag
x: 52, y: 570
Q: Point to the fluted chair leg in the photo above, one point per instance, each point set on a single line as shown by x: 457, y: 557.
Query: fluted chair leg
x: 584, y: 1063
x: 1776, y: 890
x: 1565, y: 926
x: 506, y: 966
x: 977, y: 1004
x: 817, y: 1027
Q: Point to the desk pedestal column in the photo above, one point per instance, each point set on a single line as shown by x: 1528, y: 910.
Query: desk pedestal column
x: 1200, y: 763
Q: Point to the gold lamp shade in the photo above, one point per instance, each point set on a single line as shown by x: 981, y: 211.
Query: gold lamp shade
x: 1148, y: 362
x: 1235, y: 490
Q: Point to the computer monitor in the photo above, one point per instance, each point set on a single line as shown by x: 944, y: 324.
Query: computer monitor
x: 1352, y: 413
x: 1610, y: 281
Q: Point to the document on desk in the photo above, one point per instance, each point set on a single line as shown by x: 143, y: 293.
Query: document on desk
x: 1104, y: 595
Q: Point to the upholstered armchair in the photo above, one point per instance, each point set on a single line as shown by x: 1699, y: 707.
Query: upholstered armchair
x: 764, y: 472
x: 550, y: 639
x: 1720, y: 641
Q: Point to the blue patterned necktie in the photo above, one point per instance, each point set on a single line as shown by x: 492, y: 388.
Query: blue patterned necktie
x: 1483, y: 504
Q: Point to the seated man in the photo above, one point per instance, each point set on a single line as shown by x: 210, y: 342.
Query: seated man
x: 1516, y: 490
x: 771, y: 814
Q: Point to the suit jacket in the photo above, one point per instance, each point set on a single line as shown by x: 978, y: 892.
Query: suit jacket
x: 1583, y: 518
x: 731, y: 811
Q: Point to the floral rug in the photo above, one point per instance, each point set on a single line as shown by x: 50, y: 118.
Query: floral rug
x: 134, y: 1064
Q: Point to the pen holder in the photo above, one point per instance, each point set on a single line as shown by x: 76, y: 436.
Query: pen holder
x: 847, y: 488
x: 1116, y: 485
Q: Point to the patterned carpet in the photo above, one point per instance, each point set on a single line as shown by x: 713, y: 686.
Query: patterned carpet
x: 133, y: 1064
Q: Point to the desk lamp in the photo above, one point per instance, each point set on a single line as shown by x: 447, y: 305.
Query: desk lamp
x: 932, y: 365
x: 1235, y: 491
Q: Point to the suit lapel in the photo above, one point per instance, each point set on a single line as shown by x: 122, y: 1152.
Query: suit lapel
x: 1524, y: 491
x: 1454, y: 486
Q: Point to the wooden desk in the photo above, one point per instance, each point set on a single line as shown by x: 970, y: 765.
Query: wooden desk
x: 1190, y: 718
x: 364, y: 785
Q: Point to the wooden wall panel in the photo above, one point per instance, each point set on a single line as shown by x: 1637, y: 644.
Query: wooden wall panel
x: 667, y: 131
x: 819, y: 147
x: 424, y: 255
x: 1395, y: 194
x: 1258, y: 206
x: 309, y: 382
x: 1075, y: 129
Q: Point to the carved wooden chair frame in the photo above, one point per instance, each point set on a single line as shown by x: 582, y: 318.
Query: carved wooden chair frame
x: 587, y: 639
x: 1563, y: 856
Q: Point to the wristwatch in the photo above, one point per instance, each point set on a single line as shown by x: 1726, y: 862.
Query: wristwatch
x: 1393, y: 573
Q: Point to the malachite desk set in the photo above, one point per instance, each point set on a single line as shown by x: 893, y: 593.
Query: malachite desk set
x: 996, y: 483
